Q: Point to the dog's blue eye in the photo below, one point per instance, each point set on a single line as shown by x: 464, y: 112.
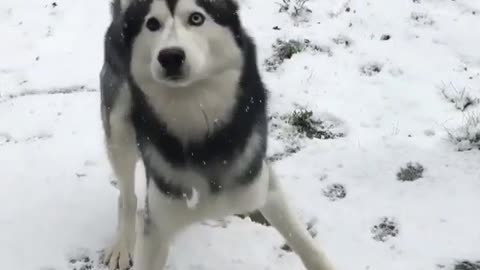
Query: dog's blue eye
x: 153, y: 24
x: 196, y: 19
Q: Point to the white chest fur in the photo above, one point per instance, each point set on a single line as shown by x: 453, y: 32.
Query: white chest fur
x: 190, y: 113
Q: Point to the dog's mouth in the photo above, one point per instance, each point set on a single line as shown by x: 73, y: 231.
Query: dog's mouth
x: 175, y: 81
x: 171, y: 80
x: 175, y: 78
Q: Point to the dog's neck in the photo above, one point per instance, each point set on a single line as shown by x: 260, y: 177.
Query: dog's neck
x: 193, y: 113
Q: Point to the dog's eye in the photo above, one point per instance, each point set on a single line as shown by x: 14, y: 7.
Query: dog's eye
x: 153, y: 24
x: 196, y: 19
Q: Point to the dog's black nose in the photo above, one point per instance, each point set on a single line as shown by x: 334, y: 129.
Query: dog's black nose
x: 171, y: 60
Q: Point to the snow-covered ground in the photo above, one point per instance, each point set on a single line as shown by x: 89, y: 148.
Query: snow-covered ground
x: 392, y: 77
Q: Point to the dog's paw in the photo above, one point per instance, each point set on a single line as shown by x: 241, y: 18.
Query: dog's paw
x: 118, y: 257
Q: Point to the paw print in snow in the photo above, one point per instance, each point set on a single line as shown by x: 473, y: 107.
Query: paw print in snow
x: 385, y: 229
x: 411, y: 172
x: 335, y: 192
x: 467, y: 265
x: 421, y: 19
x: 81, y: 263
x: 371, y: 69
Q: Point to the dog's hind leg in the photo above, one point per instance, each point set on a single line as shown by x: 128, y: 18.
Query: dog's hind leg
x: 280, y: 216
x: 122, y: 153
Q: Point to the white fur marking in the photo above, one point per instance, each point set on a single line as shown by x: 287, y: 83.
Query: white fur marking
x: 193, y: 201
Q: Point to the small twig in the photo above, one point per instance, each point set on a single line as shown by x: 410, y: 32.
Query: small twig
x: 54, y: 91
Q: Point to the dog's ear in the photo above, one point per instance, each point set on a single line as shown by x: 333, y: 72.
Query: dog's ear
x: 225, y: 3
x: 239, y: 3
x: 119, y: 6
x: 124, y: 4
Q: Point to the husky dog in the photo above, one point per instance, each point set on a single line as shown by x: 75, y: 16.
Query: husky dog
x: 181, y: 90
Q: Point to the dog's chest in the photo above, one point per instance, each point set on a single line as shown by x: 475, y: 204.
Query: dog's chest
x: 183, y: 181
x: 204, y: 169
x: 193, y: 118
x: 194, y: 113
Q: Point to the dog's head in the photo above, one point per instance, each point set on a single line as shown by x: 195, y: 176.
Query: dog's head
x: 176, y: 43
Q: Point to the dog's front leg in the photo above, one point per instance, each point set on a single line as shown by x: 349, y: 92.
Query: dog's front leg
x: 122, y: 153
x: 278, y: 213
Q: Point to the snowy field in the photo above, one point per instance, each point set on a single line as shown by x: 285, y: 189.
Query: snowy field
x: 375, y: 133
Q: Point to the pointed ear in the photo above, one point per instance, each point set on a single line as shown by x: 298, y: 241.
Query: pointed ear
x: 119, y: 6
x: 124, y: 4
x: 238, y: 2
x: 223, y: 3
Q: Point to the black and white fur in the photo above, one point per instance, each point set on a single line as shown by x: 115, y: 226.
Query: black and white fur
x: 181, y: 90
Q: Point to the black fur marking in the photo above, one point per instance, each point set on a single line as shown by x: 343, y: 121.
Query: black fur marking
x: 110, y: 86
x: 215, y: 185
x: 168, y: 188
x: 171, y: 5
